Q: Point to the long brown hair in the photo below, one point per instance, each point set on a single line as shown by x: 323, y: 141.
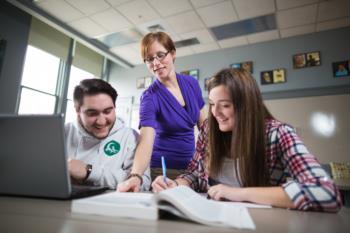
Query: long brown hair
x: 246, y: 143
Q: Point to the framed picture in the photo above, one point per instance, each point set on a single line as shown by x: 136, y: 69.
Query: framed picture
x: 313, y: 59
x: 341, y: 69
x: 303, y: 60
x: 206, y: 82
x: 266, y: 77
x: 194, y: 73
x: 273, y: 76
x: 236, y: 65
x: 140, y: 83
x: 2, y: 52
x: 247, y: 65
x: 279, y: 76
x: 299, y: 61
x: 148, y: 81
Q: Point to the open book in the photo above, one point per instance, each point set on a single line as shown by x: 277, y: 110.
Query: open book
x: 181, y: 201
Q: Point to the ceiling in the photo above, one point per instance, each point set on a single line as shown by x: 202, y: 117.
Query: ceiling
x: 121, y: 23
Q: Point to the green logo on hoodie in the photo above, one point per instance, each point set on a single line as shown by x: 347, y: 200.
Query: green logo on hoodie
x: 111, y: 148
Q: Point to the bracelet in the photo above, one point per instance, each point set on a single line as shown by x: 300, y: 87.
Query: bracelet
x: 88, y: 171
x: 177, y: 184
x: 136, y: 175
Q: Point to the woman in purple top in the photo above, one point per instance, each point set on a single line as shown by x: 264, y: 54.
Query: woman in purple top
x: 170, y: 108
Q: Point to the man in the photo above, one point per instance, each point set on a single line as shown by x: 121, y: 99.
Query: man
x: 100, y: 148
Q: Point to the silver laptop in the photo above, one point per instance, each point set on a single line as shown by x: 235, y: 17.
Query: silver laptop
x: 33, y: 159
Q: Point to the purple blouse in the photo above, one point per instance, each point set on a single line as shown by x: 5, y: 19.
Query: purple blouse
x: 173, y: 123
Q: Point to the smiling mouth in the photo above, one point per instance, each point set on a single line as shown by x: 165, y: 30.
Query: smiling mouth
x: 222, y: 121
x: 158, y: 69
x: 101, y: 128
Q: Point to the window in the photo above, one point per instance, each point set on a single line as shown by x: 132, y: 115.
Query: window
x: 76, y: 75
x: 39, y: 81
x: 44, y: 80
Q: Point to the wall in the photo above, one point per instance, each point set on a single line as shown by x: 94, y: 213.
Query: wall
x: 308, y: 91
x: 14, y: 28
x: 322, y: 122
x: 265, y: 56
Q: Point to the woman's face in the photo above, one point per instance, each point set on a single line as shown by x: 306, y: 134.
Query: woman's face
x: 222, y: 108
x: 159, y: 61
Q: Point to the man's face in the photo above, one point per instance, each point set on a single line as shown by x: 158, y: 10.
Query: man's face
x: 97, y: 115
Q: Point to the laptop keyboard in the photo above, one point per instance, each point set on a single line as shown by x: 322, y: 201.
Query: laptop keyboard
x: 79, y: 191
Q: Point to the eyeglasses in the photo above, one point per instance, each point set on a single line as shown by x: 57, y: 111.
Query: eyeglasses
x: 159, y: 56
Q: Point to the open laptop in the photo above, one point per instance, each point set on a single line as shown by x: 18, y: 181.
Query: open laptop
x: 33, y: 159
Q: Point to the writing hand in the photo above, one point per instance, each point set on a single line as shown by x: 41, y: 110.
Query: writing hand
x: 159, y: 184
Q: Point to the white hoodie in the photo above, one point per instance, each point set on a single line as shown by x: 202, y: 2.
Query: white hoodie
x: 111, y: 158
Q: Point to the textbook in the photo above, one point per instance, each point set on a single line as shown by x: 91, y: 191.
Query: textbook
x: 181, y: 201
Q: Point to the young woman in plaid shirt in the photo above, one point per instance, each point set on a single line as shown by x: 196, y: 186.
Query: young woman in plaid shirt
x: 244, y: 154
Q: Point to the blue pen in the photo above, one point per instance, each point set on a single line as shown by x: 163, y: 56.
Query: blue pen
x: 164, y: 170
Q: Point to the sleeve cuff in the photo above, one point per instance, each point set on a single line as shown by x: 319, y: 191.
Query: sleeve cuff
x: 95, y: 174
x: 294, y: 192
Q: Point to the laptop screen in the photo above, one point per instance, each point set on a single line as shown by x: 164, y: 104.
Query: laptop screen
x: 33, y: 160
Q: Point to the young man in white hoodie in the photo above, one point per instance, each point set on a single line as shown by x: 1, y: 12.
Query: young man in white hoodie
x: 100, y: 148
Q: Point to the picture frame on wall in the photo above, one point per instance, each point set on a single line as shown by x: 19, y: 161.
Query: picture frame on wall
x: 299, y: 61
x: 206, y: 82
x: 313, y: 59
x: 266, y: 77
x: 236, y: 65
x: 140, y: 83
x: 194, y: 73
x: 148, y: 81
x: 341, y: 69
x: 309, y: 59
x: 273, y: 76
x: 247, y: 65
x: 279, y: 75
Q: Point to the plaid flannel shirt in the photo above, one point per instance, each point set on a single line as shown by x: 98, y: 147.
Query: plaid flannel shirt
x: 290, y: 165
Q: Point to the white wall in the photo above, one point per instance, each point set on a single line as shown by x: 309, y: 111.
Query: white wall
x: 307, y: 115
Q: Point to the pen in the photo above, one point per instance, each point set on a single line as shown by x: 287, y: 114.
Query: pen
x: 164, y: 170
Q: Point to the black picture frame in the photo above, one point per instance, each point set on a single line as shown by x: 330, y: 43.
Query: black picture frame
x: 313, y: 59
x: 309, y: 59
x: 341, y: 69
x: 273, y: 76
x: 266, y: 77
x: 246, y: 65
x: 299, y: 61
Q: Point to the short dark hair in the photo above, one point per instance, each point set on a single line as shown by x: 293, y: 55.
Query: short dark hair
x: 88, y: 87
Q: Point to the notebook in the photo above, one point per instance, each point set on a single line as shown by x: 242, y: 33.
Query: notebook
x: 33, y: 159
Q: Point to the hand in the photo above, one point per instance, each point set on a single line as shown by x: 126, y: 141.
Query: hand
x: 223, y: 192
x: 130, y: 185
x: 77, y: 169
x: 159, y: 184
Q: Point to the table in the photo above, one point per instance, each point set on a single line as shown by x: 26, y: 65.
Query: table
x: 41, y: 215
